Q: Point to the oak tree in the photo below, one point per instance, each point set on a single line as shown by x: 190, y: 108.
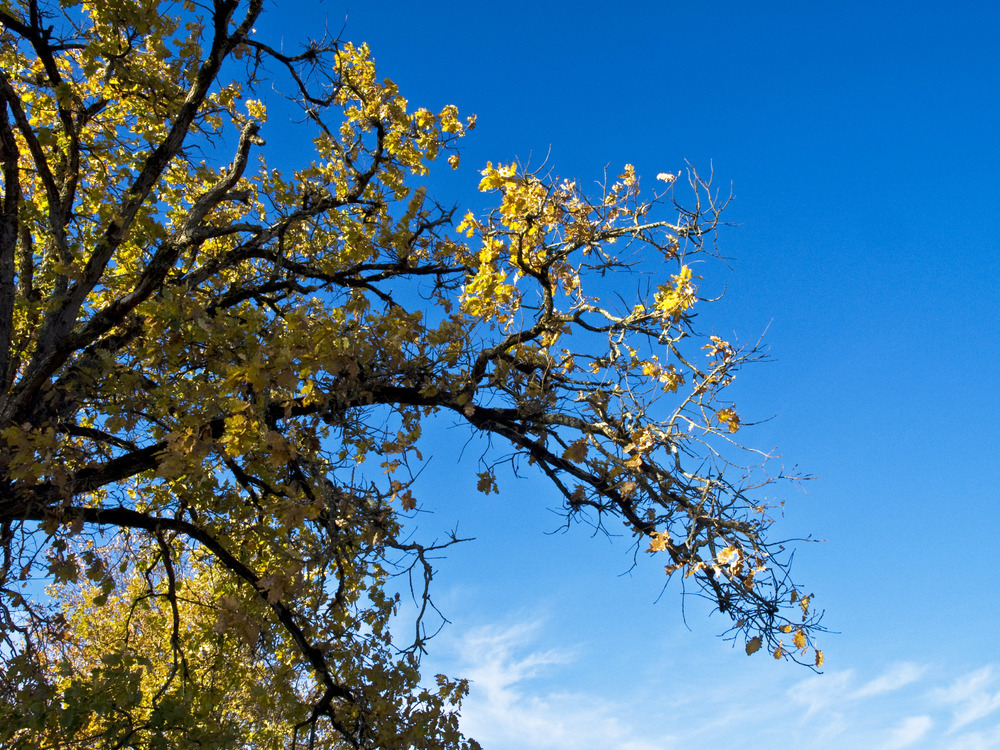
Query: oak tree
x: 215, y: 373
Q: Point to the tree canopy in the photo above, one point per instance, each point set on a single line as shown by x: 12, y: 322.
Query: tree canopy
x: 215, y: 372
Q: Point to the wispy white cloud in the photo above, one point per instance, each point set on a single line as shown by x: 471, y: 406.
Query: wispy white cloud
x: 530, y: 696
x: 505, y: 709
x: 910, y: 731
x: 982, y: 739
x: 971, y: 697
x: 497, y: 661
x: 819, y: 692
x: 896, y: 677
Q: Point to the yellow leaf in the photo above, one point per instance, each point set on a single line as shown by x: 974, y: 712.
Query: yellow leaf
x: 491, y: 178
x: 494, y: 178
x: 819, y: 658
x: 728, y: 555
x: 658, y: 541
x: 799, y: 639
x: 257, y: 109
x: 753, y: 645
x: 424, y: 118
x: 467, y: 225
x: 730, y: 417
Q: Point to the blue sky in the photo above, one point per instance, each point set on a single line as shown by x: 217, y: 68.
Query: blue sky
x: 861, y: 140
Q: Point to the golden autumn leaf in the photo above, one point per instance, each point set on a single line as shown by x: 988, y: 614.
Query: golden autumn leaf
x: 658, y: 541
x: 799, y: 639
x: 728, y: 556
x: 495, y: 177
x: 730, y: 418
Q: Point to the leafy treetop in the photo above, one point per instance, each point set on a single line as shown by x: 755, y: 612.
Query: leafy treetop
x: 214, y: 376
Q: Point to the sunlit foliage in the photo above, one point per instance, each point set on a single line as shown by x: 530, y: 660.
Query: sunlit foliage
x: 215, y: 375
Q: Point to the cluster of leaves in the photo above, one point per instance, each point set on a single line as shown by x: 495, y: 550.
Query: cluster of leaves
x: 200, y: 357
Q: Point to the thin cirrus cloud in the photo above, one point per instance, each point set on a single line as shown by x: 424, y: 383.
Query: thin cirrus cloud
x: 519, y: 699
x: 910, y: 731
x: 506, y: 708
x: 971, y: 697
x: 894, y: 678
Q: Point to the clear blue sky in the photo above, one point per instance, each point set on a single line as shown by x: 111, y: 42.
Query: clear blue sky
x: 861, y: 140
